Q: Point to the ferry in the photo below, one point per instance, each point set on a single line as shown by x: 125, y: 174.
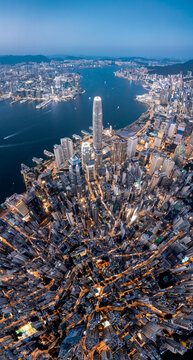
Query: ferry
x: 23, y: 101
x: 48, y: 153
x: 43, y: 104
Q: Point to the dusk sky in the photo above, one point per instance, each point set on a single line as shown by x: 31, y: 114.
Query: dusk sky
x: 149, y: 28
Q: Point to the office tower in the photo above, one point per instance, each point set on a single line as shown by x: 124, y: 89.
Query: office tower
x: 94, y: 211
x: 86, y: 153
x: 163, y: 98
x: 143, y: 157
x: 72, y: 178
x: 78, y: 179
x: 162, y: 129
x: 179, y: 133
x: 155, y: 180
x: 97, y: 123
x: 59, y: 156
x: 16, y: 202
x: 34, y: 205
x: 70, y: 217
x: 171, y: 130
x: 98, y: 158
x: 156, y: 162
x: 119, y: 150
x: 90, y: 170
x: 74, y: 173
x: 67, y: 146
x: 131, y: 146
x: 191, y: 139
x: 157, y: 142
x: 156, y: 124
x: 38, y: 190
x: 168, y: 166
x: 57, y: 82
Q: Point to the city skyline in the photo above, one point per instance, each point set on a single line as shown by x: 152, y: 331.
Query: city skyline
x: 96, y: 254
x: 96, y: 201
x: 156, y: 29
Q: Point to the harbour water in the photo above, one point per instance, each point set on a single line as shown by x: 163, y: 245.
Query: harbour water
x: 25, y: 131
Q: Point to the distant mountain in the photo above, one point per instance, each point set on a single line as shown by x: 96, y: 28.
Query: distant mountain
x: 16, y: 59
x: 172, y: 69
x: 133, y: 58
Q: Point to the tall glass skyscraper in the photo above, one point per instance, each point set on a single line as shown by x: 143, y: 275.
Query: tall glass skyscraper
x: 97, y: 123
x: 67, y: 146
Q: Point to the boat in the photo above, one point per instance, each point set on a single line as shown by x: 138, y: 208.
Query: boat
x: 23, y: 101
x: 43, y: 104
x: 48, y: 153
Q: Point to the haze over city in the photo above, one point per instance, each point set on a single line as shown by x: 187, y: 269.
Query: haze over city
x: 154, y: 28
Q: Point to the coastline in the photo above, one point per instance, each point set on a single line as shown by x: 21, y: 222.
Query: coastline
x: 24, y: 123
x: 144, y: 114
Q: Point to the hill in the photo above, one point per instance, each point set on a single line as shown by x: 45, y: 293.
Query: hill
x: 16, y: 59
x: 172, y: 69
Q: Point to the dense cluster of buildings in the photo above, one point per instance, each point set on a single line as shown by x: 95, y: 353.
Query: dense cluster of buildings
x: 45, y: 82
x: 167, y: 94
x: 97, y: 254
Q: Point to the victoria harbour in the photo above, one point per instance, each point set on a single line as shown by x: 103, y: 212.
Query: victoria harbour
x: 25, y: 131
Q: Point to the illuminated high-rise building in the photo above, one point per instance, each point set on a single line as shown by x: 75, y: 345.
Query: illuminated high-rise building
x: 90, y: 170
x: 171, y: 130
x: 191, y: 139
x: 155, y: 180
x: 168, y: 166
x: 118, y: 150
x: 131, y: 147
x: 157, y: 142
x: 57, y: 82
x: 59, y: 156
x: 98, y: 158
x: 97, y: 123
x: 156, y: 162
x: 86, y: 153
x: 67, y: 146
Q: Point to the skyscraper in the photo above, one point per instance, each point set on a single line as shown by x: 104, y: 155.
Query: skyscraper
x: 171, y: 130
x: 86, y: 153
x: 168, y: 166
x: 97, y: 123
x: 156, y: 162
x: 90, y: 170
x: 131, y: 147
x: 67, y: 146
x: 191, y: 139
x: 118, y: 150
x: 59, y: 156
